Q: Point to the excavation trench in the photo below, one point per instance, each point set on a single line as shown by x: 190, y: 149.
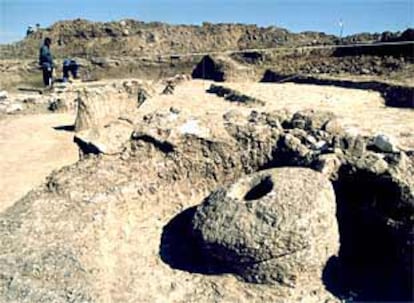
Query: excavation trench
x: 373, y: 216
x: 374, y: 232
x: 394, y: 95
x: 374, y: 260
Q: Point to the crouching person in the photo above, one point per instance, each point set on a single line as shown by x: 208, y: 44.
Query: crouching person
x: 70, y: 66
x: 46, y: 62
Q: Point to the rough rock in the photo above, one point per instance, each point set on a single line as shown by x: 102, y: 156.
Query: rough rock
x: 169, y: 89
x: 329, y: 165
x: 333, y: 127
x: 14, y: 107
x: 385, y: 143
x: 3, y: 95
x: 372, y: 162
x: 310, y: 119
x: 57, y: 105
x: 99, y: 107
x: 109, y: 140
x: 276, y: 226
x: 234, y: 95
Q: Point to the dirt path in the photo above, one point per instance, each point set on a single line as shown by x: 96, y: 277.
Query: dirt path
x: 30, y: 148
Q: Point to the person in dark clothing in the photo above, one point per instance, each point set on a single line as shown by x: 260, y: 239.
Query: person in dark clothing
x: 70, y: 65
x: 29, y: 31
x: 46, y: 62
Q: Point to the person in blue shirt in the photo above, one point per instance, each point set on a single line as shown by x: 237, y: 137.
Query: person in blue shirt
x: 70, y: 65
x: 46, y: 62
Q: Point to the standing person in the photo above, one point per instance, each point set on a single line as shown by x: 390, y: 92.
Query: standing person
x: 46, y: 62
x: 29, y: 31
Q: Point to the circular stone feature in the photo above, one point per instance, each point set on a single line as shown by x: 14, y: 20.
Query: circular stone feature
x: 277, y: 225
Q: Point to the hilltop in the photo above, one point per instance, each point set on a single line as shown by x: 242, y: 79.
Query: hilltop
x: 135, y: 38
x: 130, y: 48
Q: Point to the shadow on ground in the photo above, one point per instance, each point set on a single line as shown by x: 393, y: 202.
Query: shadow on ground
x: 67, y: 128
x: 180, y: 251
x: 370, y: 266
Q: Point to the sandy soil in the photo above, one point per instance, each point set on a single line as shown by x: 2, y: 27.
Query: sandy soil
x: 30, y: 148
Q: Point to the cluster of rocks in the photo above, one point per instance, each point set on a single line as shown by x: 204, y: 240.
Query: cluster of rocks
x: 62, y: 98
x: 172, y: 82
x: 22, y: 103
x: 407, y: 35
x: 373, y: 177
x: 8, y: 107
x: 234, y: 96
x: 387, y: 36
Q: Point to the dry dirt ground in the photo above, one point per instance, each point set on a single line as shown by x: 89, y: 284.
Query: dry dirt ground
x: 30, y: 148
x: 359, y: 110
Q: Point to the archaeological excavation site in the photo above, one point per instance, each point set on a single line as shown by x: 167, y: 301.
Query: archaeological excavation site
x: 278, y: 168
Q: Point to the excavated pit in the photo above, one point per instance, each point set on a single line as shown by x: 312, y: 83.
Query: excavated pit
x: 369, y: 266
x: 375, y: 229
x: 373, y: 212
x: 394, y: 95
x: 208, y: 69
x: 138, y: 206
x: 372, y: 236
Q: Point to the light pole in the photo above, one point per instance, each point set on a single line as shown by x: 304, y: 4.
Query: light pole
x: 341, y: 28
